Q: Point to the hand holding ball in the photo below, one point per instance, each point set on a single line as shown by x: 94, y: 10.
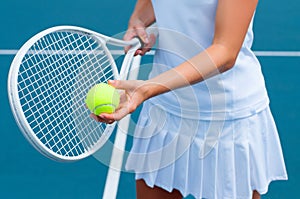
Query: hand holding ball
x: 102, y: 98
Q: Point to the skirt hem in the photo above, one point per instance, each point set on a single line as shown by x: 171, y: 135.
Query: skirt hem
x: 185, y: 194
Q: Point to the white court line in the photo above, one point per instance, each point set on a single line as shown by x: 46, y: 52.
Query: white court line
x: 14, y: 51
x: 257, y: 53
x: 8, y: 52
x: 277, y: 53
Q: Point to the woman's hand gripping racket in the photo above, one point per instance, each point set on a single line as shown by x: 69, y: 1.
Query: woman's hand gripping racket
x: 48, y: 82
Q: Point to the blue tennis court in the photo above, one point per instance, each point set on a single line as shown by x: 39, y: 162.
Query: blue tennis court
x: 24, y: 173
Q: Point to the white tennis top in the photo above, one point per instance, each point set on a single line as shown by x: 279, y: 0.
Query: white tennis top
x: 185, y: 29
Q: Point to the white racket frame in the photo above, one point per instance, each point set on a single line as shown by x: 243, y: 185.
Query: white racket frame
x: 14, y: 99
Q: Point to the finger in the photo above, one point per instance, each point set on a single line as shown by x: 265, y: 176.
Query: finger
x: 120, y: 84
x: 95, y: 117
x: 144, y: 50
x: 101, y: 119
x: 130, y: 34
x: 107, y: 121
x: 147, y: 47
x: 142, y: 34
x: 116, y: 116
x: 138, y: 52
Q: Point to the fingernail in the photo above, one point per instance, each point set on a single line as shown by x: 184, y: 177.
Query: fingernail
x: 111, y: 81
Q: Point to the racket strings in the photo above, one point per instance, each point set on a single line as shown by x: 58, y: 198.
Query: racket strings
x: 106, y: 61
x: 59, y: 85
x: 47, y: 126
x: 46, y: 59
x: 64, y: 138
x: 63, y: 66
x: 64, y: 145
x: 53, y: 85
x: 87, y: 136
x: 69, y: 74
x: 56, y: 85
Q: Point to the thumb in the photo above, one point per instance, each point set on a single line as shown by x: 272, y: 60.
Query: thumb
x: 119, y: 84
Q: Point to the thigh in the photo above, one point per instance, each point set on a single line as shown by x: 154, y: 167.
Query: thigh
x: 255, y: 195
x: 145, y: 192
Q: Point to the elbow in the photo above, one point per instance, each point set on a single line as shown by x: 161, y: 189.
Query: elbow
x: 229, y: 57
x: 223, y: 56
x: 229, y: 62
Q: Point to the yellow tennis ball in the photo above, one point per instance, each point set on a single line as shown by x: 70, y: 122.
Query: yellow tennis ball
x: 102, y: 98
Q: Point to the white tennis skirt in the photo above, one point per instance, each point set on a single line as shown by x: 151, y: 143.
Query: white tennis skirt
x: 207, y: 159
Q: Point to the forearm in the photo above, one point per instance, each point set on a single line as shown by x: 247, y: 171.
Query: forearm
x: 213, y: 61
x: 143, y: 13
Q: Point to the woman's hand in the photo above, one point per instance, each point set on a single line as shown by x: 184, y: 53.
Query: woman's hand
x: 142, y: 17
x: 138, y: 29
x: 133, y: 94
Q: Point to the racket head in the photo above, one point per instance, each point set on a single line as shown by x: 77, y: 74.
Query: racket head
x: 47, y: 84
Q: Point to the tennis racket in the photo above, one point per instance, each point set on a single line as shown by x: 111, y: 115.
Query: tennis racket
x: 48, y: 82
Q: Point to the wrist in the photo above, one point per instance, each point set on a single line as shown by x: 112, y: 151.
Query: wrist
x: 151, y: 89
x: 136, y: 21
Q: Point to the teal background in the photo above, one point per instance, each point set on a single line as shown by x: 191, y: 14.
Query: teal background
x: 24, y: 173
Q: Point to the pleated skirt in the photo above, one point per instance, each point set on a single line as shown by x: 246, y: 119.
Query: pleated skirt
x: 207, y: 159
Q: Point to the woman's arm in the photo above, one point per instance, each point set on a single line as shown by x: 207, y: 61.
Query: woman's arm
x: 142, y: 17
x: 143, y: 14
x: 232, y: 21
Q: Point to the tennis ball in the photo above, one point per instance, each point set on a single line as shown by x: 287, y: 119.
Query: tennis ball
x: 102, y: 98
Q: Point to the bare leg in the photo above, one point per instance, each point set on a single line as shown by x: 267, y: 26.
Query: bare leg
x: 255, y: 195
x: 145, y: 192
